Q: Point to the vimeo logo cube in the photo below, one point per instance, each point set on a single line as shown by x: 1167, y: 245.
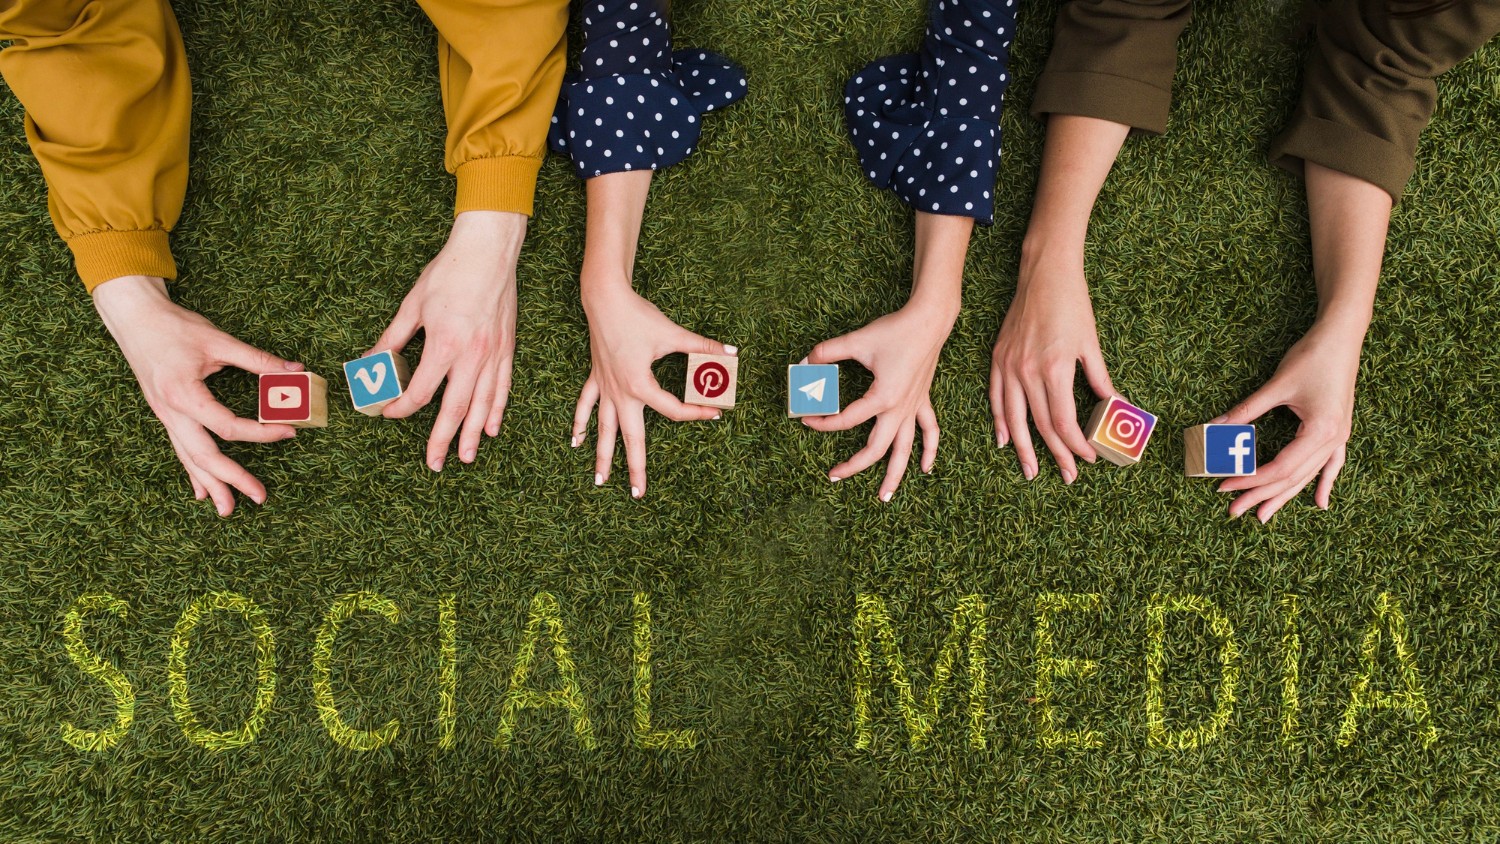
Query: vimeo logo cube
x: 1220, y: 451
x: 376, y: 380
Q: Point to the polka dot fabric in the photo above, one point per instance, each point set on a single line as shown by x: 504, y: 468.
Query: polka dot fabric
x: 927, y: 125
x: 634, y: 104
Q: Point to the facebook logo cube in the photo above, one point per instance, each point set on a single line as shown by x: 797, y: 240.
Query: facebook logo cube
x: 1220, y: 451
x: 812, y: 389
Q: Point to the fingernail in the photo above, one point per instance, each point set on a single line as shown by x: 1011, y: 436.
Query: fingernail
x: 598, y: 479
x: 731, y: 350
x: 834, y: 479
x: 1029, y: 472
x: 1265, y: 518
x: 293, y: 366
x: 802, y: 362
x: 575, y: 440
x: 260, y: 500
x: 717, y: 417
x: 1069, y: 476
x: 437, y: 465
x: 635, y: 492
x: 885, y: 497
x: 469, y: 455
x: 289, y: 434
x: 1217, y: 420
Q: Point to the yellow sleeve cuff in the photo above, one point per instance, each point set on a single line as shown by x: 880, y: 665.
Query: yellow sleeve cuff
x: 103, y: 255
x: 504, y: 183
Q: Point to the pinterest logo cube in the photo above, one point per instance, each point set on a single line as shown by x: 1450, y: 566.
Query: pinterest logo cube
x: 299, y: 399
x: 711, y: 380
x: 1119, y: 431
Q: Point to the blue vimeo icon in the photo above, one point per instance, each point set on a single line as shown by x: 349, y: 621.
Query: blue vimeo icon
x: 1229, y: 450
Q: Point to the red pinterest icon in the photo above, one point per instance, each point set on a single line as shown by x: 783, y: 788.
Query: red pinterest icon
x: 711, y: 379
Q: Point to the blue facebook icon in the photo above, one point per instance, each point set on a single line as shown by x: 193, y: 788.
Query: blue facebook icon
x: 1229, y: 449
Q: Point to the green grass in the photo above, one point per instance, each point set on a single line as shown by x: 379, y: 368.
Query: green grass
x: 318, y: 194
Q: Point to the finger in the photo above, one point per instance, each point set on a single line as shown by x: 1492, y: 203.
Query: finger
x: 833, y: 351
x: 1015, y: 419
x: 235, y: 352
x: 875, y: 448
x: 1097, y: 374
x: 451, y: 415
x: 200, y: 481
x: 1296, y: 465
x: 697, y: 344
x: 1331, y: 469
x: 927, y: 419
x: 1041, y: 417
x: 202, y: 408
x: 997, y: 405
x: 422, y: 387
x: 633, y: 429
x: 480, y: 408
x: 895, y: 470
x: 1256, y: 405
x: 859, y: 412
x: 675, y: 409
x: 604, y: 447
x: 587, y: 398
x: 1065, y: 418
x: 205, y: 455
x: 402, y: 328
x: 1291, y: 490
x: 501, y: 398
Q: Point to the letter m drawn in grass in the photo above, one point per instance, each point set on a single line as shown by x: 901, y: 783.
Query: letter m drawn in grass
x: 873, y: 628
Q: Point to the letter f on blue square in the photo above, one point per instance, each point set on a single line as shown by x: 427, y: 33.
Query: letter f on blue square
x: 1229, y: 450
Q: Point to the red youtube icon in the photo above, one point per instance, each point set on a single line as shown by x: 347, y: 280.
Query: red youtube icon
x: 291, y: 398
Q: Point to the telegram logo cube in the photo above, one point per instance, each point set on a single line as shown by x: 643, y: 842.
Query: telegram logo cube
x: 1219, y: 451
x: 376, y: 380
x: 812, y: 389
x: 299, y: 399
x: 1119, y: 431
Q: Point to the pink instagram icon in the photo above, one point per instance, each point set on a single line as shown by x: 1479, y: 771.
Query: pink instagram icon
x: 1119, y: 430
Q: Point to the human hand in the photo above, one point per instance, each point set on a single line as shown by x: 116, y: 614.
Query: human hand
x: 1047, y: 333
x: 172, y: 350
x: 465, y: 300
x: 1316, y: 382
x: 901, y: 349
x: 626, y: 335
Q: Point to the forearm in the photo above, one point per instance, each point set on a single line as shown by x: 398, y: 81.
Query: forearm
x: 1076, y: 159
x: 938, y: 270
x: 1349, y: 218
x: 616, y: 206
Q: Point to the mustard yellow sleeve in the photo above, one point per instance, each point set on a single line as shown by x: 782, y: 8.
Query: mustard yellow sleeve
x: 105, y: 88
x: 501, y: 64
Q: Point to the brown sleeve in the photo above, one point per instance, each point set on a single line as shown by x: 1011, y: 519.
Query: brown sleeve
x: 1114, y: 60
x: 105, y: 88
x: 1369, y: 89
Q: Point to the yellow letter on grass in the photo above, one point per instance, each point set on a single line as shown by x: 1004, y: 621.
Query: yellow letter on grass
x: 1049, y: 667
x: 521, y: 697
x: 1365, y: 698
x: 1156, y: 663
x: 92, y: 665
x: 343, y: 607
x: 265, y: 670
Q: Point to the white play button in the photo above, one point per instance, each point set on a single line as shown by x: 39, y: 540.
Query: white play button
x: 814, y: 390
x: 284, y: 397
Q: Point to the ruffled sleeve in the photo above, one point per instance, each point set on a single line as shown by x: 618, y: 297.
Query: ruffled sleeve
x: 927, y: 125
x: 635, y: 104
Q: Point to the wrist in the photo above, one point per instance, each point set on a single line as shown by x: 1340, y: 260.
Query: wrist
x: 1045, y: 260
x: 500, y: 233
x: 935, y: 311
x: 123, y: 299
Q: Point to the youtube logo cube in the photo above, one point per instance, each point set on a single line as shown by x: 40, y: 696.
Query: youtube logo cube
x: 299, y: 399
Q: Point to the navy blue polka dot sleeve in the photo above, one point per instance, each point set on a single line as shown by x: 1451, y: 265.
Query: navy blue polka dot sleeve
x: 634, y: 104
x: 927, y: 125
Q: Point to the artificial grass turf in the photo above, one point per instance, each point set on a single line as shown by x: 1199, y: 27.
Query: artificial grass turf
x: 317, y: 195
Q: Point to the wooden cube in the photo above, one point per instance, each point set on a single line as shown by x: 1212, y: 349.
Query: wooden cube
x: 376, y: 380
x: 1219, y: 451
x: 299, y: 399
x: 711, y: 380
x: 812, y: 390
x: 1119, y: 431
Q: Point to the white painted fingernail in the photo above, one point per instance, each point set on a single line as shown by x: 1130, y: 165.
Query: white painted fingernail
x: 885, y: 498
x: 575, y: 440
x: 635, y: 492
x: 598, y: 479
x: 731, y: 350
x: 834, y: 478
x: 717, y: 417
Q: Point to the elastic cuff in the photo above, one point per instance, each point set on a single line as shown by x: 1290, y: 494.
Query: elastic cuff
x: 1345, y: 149
x: 103, y: 255
x: 505, y: 183
x: 1118, y: 99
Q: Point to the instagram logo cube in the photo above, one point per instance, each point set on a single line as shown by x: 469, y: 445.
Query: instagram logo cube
x: 1119, y: 430
x: 299, y: 399
x: 711, y: 380
x: 1219, y: 451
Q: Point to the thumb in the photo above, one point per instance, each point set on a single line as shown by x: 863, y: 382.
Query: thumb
x: 697, y: 344
x: 1258, y: 404
x: 235, y: 352
x: 833, y: 351
x: 1098, y: 374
